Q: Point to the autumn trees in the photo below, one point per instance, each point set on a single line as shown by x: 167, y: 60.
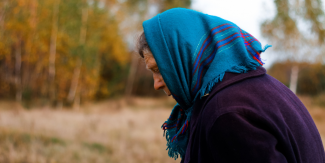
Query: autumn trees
x: 296, y: 25
x: 297, y: 32
x: 64, y: 52
x: 54, y: 49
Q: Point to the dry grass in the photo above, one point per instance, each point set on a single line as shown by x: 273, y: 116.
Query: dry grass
x: 103, y: 132
x: 317, y: 112
x: 110, y: 132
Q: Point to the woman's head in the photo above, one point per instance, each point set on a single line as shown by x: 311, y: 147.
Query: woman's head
x: 151, y: 64
x: 142, y: 45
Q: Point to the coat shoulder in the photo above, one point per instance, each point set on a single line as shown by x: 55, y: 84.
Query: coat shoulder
x: 261, y: 95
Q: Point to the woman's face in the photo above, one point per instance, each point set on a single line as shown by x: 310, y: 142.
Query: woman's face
x: 151, y: 65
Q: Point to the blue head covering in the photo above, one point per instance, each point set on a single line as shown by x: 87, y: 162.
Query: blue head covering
x: 193, y: 51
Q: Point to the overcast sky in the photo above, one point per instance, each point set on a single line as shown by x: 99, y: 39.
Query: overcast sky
x: 247, y: 14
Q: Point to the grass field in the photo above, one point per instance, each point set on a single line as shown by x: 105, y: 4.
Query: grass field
x: 110, y: 132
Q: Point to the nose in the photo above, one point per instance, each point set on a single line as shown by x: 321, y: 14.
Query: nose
x: 158, y: 81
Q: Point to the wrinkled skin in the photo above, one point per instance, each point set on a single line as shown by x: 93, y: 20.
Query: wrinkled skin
x: 151, y: 65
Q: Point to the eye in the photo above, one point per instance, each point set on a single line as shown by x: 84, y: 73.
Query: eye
x: 155, y: 70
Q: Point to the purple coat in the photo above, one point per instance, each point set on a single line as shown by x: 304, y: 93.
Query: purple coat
x: 252, y: 118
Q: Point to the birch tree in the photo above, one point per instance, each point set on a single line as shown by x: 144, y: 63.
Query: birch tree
x: 53, y: 50
x: 292, y: 41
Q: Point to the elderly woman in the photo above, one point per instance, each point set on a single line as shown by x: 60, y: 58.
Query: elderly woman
x: 228, y: 109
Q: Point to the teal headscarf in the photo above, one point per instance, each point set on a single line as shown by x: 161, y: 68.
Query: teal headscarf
x: 193, y: 51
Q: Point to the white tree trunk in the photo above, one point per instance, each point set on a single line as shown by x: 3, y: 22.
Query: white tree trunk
x: 74, y: 95
x: 131, y: 77
x: 294, y: 79
x: 18, y: 71
x: 3, y: 15
x: 83, y: 30
x: 53, y: 50
x: 74, y: 82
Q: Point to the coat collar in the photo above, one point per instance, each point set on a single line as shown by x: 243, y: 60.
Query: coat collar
x: 228, y: 79
x: 231, y: 78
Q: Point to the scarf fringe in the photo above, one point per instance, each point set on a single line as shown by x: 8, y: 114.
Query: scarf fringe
x: 209, y: 86
x: 265, y: 47
x: 249, y: 65
x: 176, y: 148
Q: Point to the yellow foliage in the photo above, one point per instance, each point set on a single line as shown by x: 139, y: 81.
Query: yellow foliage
x: 34, y: 30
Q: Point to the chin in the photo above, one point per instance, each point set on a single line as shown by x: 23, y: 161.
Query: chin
x: 167, y: 93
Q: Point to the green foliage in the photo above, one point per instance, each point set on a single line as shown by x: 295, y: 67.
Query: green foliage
x: 19, y: 139
x: 98, y: 148
x: 314, y: 13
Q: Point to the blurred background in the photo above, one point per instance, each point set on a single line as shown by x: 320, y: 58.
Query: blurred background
x: 72, y: 89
